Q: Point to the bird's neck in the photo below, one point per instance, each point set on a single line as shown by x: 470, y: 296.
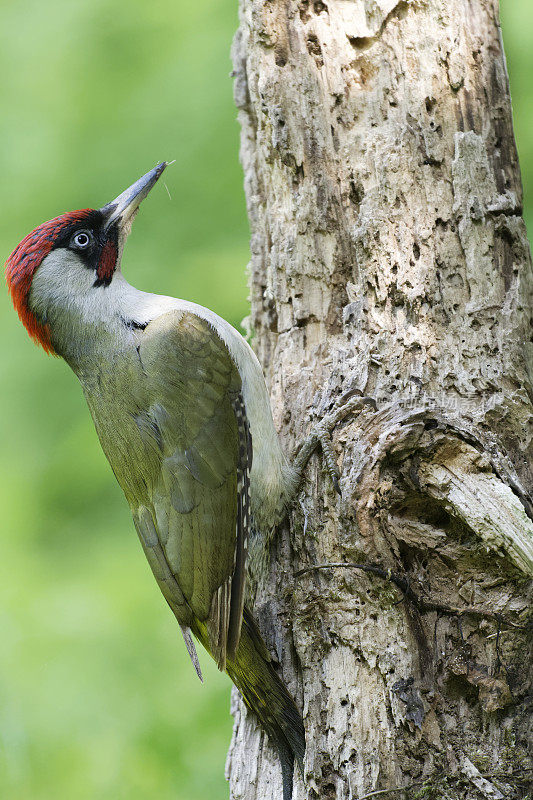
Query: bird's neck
x: 104, y: 326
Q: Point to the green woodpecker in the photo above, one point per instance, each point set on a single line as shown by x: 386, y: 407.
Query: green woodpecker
x: 182, y: 412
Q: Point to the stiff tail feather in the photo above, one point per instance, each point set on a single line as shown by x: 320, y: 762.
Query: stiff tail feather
x: 264, y: 694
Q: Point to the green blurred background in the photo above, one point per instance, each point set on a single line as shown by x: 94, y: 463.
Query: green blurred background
x: 97, y: 698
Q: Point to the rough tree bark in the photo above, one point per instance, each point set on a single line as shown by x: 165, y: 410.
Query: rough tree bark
x: 390, y: 258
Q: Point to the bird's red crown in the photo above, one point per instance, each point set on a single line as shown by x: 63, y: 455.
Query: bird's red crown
x: 24, y: 260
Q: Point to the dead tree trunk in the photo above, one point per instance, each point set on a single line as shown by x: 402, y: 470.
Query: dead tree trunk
x: 390, y: 258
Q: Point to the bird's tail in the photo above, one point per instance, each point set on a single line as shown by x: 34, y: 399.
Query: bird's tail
x: 265, y: 695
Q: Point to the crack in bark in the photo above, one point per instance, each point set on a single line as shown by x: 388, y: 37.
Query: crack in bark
x: 520, y: 781
x: 424, y: 606
x: 435, y: 419
x: 363, y: 42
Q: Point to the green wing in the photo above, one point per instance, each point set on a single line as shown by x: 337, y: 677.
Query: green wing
x: 194, y: 528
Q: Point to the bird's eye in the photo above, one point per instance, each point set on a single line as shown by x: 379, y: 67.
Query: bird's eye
x: 81, y: 240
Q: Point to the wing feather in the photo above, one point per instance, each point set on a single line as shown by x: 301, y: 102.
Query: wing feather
x: 196, y: 515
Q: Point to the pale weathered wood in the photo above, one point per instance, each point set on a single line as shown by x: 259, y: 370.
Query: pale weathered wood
x: 390, y: 258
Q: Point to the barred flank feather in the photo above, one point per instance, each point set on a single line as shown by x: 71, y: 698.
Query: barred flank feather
x: 224, y: 623
x: 243, y: 525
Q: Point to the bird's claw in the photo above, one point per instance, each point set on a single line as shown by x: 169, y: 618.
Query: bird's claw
x: 322, y: 435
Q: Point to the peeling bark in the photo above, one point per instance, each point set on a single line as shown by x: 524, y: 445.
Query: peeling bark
x: 390, y: 259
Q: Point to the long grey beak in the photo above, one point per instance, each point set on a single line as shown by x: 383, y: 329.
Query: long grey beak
x: 126, y: 204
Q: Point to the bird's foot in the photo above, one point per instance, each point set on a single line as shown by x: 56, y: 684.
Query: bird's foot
x: 321, y: 436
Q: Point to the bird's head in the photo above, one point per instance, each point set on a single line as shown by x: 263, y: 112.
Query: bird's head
x: 60, y: 263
